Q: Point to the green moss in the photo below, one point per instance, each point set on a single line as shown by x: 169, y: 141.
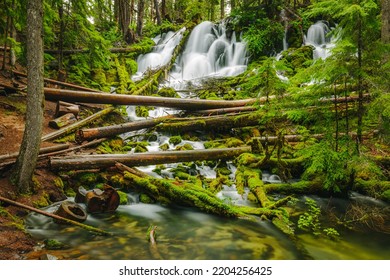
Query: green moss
x: 42, y: 201
x: 185, y: 147
x: 144, y: 198
x: 66, y: 139
x: 111, y: 146
x: 88, y: 179
x: 140, y: 149
x: 164, y: 147
x: 175, y: 140
x: 168, y: 92
x: 122, y: 198
x: 142, y: 111
x: 69, y: 192
x: 386, y: 195
x: 131, y: 66
x: 53, y: 244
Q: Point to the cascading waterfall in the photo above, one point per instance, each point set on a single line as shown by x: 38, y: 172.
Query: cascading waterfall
x: 161, y: 53
x: 317, y: 37
x: 210, y: 52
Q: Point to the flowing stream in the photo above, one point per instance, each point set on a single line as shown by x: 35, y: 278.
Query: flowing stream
x: 185, y: 233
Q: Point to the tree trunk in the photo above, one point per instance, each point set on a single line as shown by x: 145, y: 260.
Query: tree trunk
x: 62, y: 121
x: 163, y: 9
x: 29, y: 150
x: 222, y: 9
x: 123, y: 99
x: 359, y: 138
x: 385, y: 21
x: 158, y: 14
x: 109, y: 131
x: 75, y: 126
x: 142, y: 159
x: 61, y: 36
x: 140, y: 16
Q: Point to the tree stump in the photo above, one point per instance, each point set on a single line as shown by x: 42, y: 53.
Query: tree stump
x: 72, y: 211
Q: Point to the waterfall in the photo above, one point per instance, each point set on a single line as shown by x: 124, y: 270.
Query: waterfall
x: 161, y: 54
x: 210, y: 52
x: 317, y: 37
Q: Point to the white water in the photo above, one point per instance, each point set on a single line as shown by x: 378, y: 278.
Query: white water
x: 161, y: 53
x: 317, y: 36
x: 209, y: 52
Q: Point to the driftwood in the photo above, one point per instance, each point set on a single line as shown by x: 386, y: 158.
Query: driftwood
x: 122, y: 99
x: 109, y: 131
x: 59, y: 83
x: 63, y: 108
x: 62, y: 121
x: 54, y: 216
x: 140, y: 159
x: 77, y: 125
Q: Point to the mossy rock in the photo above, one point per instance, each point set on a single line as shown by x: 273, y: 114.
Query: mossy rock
x: 140, y: 149
x: 175, y: 140
x: 164, y: 147
x: 185, y: 147
x: 53, y: 244
x: 58, y: 183
x: 69, y: 192
x: 298, y: 58
x: 42, y: 201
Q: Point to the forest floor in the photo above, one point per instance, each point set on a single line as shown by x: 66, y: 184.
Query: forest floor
x: 15, y: 242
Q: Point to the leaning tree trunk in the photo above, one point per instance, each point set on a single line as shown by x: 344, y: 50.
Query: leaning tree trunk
x: 29, y: 150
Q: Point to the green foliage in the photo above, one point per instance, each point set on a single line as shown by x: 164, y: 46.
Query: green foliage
x: 324, y: 162
x: 310, y: 221
x: 263, y: 37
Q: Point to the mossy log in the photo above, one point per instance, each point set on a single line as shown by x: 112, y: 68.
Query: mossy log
x: 62, y: 121
x: 373, y: 188
x: 209, y: 123
x: 301, y: 187
x: 42, y: 151
x: 109, y: 131
x: 139, y: 159
x: 76, y: 125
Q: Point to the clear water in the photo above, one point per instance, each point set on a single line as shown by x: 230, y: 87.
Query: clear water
x: 185, y: 233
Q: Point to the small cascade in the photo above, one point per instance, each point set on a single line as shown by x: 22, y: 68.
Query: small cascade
x: 285, y: 21
x: 161, y: 53
x: 317, y: 36
x: 210, y: 52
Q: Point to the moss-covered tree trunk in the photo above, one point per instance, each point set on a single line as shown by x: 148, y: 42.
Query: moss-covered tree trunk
x: 29, y: 150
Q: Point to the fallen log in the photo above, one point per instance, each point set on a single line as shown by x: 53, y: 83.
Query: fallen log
x: 86, y: 145
x: 122, y: 99
x: 63, y: 108
x: 142, y: 159
x: 54, y: 216
x: 42, y: 151
x: 210, y: 123
x: 62, y: 121
x: 223, y: 111
x: 77, y: 125
x: 109, y: 131
x: 55, y: 82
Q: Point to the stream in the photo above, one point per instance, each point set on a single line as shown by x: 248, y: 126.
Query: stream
x: 184, y: 233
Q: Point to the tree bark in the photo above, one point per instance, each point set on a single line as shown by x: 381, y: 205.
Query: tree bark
x: 62, y: 121
x: 385, y: 21
x: 122, y: 99
x: 158, y: 14
x: 109, y: 131
x: 63, y: 108
x: 75, y: 126
x: 140, y: 16
x: 29, y: 150
x: 142, y: 159
x: 41, y: 151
